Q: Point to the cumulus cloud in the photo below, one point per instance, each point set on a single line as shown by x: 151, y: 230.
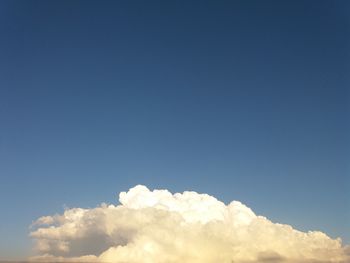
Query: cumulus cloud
x: 161, y: 227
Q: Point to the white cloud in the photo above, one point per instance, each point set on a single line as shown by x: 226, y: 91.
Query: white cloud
x: 157, y: 226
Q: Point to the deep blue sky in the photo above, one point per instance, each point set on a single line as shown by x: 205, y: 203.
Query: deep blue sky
x: 242, y: 100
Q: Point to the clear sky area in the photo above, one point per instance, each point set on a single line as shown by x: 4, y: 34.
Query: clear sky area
x: 243, y: 100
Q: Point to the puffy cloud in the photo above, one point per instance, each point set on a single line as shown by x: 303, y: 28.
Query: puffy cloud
x: 158, y: 226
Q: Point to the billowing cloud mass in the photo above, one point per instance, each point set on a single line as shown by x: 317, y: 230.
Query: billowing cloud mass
x: 160, y: 227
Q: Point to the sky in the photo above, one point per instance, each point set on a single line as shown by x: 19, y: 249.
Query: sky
x: 243, y: 100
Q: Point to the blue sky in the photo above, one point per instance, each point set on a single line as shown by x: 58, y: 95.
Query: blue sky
x: 241, y: 100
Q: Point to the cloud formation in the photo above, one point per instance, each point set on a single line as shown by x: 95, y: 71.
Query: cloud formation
x: 160, y: 227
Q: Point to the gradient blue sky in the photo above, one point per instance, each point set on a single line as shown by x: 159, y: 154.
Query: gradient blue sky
x: 245, y: 100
